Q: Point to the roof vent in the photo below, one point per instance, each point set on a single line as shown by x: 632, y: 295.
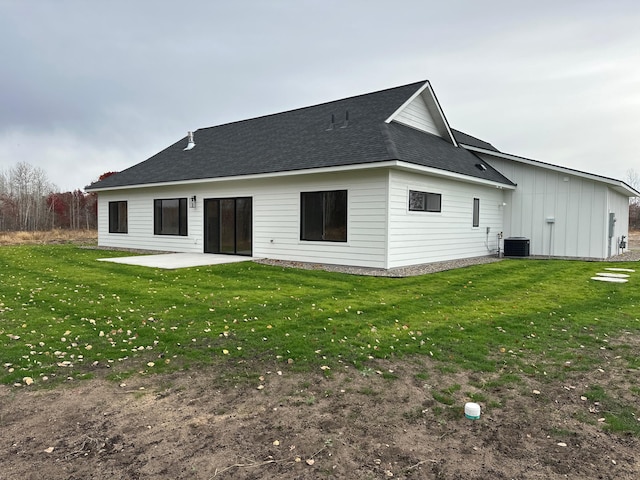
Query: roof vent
x: 481, y: 166
x: 346, y: 120
x: 333, y: 121
x: 190, y: 141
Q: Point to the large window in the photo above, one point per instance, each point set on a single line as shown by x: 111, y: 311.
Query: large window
x: 424, y: 201
x: 118, y: 217
x: 170, y: 216
x: 476, y: 212
x: 323, y: 216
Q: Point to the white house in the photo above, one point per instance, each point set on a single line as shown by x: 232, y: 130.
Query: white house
x: 377, y: 180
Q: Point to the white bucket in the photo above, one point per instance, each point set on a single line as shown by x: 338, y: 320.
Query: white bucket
x: 472, y: 411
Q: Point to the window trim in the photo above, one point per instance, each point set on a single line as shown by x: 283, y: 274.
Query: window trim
x: 476, y: 213
x: 182, y: 217
x: 426, y: 202
x: 305, y: 234
x: 116, y: 223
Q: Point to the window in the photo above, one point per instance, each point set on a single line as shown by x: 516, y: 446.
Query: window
x: 170, y: 217
x: 476, y: 212
x: 323, y: 216
x: 424, y: 201
x: 118, y: 217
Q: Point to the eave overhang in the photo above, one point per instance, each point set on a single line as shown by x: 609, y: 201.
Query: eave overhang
x: 390, y: 164
x: 617, y: 185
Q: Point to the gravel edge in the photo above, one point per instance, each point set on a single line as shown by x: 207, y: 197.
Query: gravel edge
x: 427, y: 268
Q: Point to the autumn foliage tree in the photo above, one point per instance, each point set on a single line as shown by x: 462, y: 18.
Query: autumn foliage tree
x: 74, y: 210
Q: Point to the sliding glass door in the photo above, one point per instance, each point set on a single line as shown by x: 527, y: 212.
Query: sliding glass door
x: 228, y: 225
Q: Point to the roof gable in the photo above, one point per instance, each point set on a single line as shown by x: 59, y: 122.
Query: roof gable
x: 422, y: 111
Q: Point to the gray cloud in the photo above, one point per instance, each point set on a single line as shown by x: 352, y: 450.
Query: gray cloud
x: 88, y: 87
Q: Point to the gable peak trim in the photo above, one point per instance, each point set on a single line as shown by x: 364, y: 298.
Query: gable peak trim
x: 432, y: 103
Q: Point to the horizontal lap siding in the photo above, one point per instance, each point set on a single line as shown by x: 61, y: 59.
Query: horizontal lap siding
x: 277, y: 220
x: 423, y: 237
x: 276, y: 217
x: 140, y: 221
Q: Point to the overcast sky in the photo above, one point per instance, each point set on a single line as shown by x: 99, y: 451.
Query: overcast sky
x: 88, y: 87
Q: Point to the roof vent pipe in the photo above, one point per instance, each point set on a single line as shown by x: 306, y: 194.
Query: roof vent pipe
x: 333, y: 121
x: 346, y: 120
x: 190, y: 142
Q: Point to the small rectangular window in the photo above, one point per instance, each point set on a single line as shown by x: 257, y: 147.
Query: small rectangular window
x: 170, y: 216
x: 118, y: 217
x: 424, y: 201
x: 476, y: 212
x: 323, y: 216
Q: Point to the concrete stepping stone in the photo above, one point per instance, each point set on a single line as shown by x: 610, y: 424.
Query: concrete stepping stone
x: 610, y: 279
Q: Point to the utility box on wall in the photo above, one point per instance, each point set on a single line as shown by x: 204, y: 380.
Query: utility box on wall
x: 516, y: 247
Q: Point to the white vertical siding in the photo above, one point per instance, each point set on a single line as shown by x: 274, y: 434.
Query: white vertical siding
x: 276, y: 217
x: 417, y: 115
x: 578, y: 205
x: 618, y: 205
x: 423, y: 237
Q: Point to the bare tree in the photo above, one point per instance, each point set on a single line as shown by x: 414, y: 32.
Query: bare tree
x: 23, y: 192
x: 28, y: 201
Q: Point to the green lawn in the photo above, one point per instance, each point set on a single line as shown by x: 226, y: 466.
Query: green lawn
x: 64, y: 314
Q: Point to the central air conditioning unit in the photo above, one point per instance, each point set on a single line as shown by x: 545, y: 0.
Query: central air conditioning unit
x: 516, y: 247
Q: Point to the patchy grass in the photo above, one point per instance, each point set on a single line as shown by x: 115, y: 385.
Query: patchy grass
x: 63, y: 314
x: 618, y: 416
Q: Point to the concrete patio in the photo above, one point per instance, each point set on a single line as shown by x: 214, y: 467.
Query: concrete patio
x: 171, y: 261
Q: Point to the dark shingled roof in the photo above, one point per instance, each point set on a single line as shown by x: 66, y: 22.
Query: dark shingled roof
x: 301, y: 139
x: 467, y: 139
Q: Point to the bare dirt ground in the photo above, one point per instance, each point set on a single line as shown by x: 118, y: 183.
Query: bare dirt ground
x: 356, y: 424
x: 268, y: 421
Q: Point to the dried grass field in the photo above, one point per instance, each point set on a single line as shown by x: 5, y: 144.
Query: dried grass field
x: 49, y: 237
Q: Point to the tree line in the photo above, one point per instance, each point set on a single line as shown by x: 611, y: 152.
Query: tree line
x: 29, y: 202
x: 633, y: 180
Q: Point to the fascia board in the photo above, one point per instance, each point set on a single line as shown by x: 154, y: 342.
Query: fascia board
x: 257, y: 176
x: 407, y: 102
x: 441, y: 117
x: 618, y: 185
x: 344, y: 168
x: 436, y: 172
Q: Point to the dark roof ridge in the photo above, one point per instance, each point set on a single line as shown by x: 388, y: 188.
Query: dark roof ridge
x: 268, y: 115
